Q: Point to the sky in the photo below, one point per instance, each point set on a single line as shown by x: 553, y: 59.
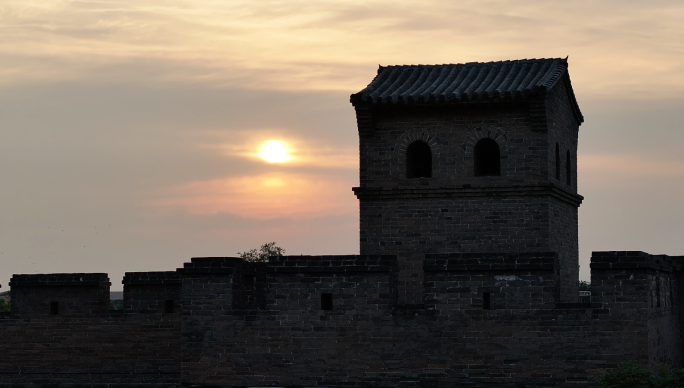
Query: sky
x: 132, y: 132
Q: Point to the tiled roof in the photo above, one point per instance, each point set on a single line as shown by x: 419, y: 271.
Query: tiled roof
x: 464, y: 82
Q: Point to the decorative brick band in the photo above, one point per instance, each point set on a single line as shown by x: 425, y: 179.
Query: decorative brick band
x: 379, y: 193
x: 60, y: 279
x: 490, y: 261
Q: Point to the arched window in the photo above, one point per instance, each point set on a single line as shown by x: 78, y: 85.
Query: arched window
x: 558, y: 168
x: 568, y: 168
x: 487, y: 158
x: 418, y: 160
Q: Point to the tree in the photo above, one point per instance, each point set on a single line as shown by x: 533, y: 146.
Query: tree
x: 262, y: 254
x: 4, y: 306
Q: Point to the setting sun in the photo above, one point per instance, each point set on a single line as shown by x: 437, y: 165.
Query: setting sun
x: 274, y: 151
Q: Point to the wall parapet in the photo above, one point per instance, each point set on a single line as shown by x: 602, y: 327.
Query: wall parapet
x: 152, y: 278
x: 59, y: 280
x: 207, y: 265
x: 634, y: 260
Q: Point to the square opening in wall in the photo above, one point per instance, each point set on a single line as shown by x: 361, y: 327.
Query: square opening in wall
x: 326, y: 301
x: 168, y: 306
x: 487, y: 300
x: 54, y: 308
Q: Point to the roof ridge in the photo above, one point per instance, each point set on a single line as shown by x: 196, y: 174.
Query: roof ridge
x: 381, y: 67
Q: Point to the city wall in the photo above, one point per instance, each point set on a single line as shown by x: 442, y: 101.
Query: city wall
x: 60, y: 331
x: 483, y: 320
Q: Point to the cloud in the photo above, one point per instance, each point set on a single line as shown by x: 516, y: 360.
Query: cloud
x: 266, y: 196
x: 600, y: 170
x: 619, y: 49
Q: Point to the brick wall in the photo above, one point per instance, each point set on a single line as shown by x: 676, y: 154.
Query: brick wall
x: 370, y: 338
x: 562, y: 129
x: 477, y: 319
x: 75, y: 294
x: 639, y: 294
x: 525, y: 209
x: 85, y: 343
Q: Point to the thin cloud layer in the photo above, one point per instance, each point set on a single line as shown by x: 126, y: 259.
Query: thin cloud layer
x: 622, y: 49
x: 302, y: 153
x: 267, y: 196
x: 625, y: 170
x: 147, y: 116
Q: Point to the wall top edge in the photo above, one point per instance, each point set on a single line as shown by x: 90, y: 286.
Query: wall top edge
x: 59, y: 279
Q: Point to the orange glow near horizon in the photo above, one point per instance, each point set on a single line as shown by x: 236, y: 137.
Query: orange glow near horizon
x: 265, y: 196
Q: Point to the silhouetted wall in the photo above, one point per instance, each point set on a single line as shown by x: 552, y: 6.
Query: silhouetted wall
x: 82, y: 342
x: 484, y: 319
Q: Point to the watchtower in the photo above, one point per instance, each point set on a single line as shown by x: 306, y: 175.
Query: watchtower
x: 475, y: 157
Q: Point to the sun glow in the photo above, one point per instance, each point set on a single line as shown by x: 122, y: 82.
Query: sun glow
x: 274, y: 151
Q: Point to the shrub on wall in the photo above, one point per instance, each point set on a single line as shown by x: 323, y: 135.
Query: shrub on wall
x: 116, y: 304
x: 632, y: 375
x: 262, y: 254
x: 584, y: 285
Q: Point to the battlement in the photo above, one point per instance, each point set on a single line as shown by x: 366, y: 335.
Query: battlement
x: 501, y: 313
x: 73, y: 294
x: 60, y: 279
x: 200, y: 265
x: 152, y: 292
x: 152, y: 278
x: 616, y: 260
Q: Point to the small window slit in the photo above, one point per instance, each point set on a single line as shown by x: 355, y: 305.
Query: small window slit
x: 487, y: 300
x: 54, y: 308
x: 326, y: 301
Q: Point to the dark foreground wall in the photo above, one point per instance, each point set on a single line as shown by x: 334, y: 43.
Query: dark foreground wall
x: 483, y: 320
x: 61, y: 331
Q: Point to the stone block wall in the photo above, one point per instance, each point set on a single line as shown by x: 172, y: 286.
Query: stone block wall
x: 474, y: 319
x: 290, y: 339
x: 451, y: 132
x: 85, y: 343
x: 456, y: 282
x: 639, y: 294
x: 75, y: 294
x: 152, y: 292
x: 526, y: 208
x: 403, y: 226
x: 207, y: 302
x: 564, y: 239
x: 562, y: 128
x: 525, y: 335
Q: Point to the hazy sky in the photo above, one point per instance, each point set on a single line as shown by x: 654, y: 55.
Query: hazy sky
x: 129, y: 129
